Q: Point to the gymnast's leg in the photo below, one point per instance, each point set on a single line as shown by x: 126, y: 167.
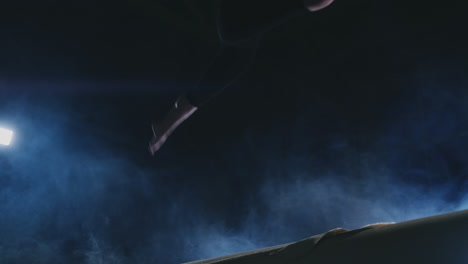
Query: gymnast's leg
x: 239, y: 37
x: 240, y: 25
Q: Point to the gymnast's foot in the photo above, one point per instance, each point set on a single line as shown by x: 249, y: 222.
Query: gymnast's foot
x: 180, y: 111
x: 316, y: 5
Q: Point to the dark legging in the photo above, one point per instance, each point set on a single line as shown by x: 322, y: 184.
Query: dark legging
x: 240, y: 24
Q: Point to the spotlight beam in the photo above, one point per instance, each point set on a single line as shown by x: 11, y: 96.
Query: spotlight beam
x: 6, y: 136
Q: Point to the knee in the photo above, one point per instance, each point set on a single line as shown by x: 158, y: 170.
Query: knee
x: 233, y: 37
x: 234, y: 31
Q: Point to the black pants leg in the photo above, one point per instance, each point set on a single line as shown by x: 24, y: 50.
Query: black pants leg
x: 240, y: 24
x: 241, y: 21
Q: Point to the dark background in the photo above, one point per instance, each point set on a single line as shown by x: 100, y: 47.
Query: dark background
x: 353, y: 115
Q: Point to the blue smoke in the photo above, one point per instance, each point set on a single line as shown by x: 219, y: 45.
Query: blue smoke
x: 413, y: 166
x: 67, y: 196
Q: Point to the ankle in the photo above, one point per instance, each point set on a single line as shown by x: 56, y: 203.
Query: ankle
x: 183, y: 103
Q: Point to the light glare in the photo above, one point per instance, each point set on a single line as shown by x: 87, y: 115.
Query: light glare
x: 5, y: 136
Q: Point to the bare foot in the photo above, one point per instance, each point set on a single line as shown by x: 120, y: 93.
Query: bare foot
x: 180, y: 111
x: 316, y: 5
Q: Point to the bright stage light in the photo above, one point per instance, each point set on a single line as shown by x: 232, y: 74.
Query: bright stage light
x: 5, y: 136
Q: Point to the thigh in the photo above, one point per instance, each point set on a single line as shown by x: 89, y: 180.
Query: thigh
x: 244, y: 20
